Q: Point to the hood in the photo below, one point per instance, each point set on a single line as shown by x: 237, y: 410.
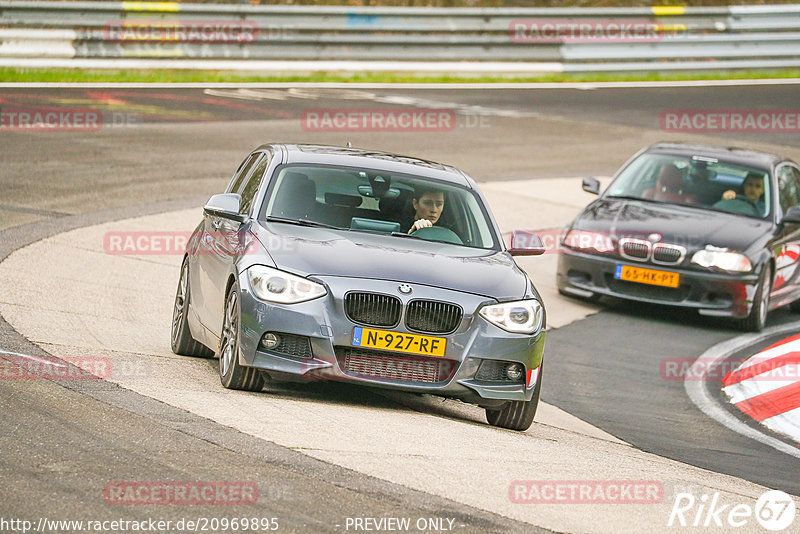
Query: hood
x: 689, y: 227
x: 309, y: 251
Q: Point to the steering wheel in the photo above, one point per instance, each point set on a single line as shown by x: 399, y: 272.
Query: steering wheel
x: 438, y: 233
x: 740, y: 204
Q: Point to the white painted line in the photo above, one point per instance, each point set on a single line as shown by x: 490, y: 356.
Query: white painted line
x: 438, y: 86
x: 765, y: 9
x: 33, y: 358
x: 698, y: 394
x: 37, y: 34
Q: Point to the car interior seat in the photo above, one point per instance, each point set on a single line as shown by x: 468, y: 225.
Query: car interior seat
x: 397, y: 209
x: 296, y: 197
x: 669, y: 186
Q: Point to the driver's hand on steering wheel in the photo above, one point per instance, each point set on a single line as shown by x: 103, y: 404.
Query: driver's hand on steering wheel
x: 420, y: 223
x: 730, y: 194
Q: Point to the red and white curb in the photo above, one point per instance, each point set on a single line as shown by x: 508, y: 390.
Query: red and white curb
x: 766, y: 387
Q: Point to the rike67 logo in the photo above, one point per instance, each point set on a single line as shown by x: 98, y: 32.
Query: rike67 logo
x: 774, y: 511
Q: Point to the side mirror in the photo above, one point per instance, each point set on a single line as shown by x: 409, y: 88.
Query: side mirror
x: 526, y: 244
x: 226, y: 206
x: 792, y: 216
x: 591, y: 185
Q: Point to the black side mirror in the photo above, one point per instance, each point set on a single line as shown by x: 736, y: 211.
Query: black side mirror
x: 792, y: 216
x: 226, y: 206
x: 591, y: 185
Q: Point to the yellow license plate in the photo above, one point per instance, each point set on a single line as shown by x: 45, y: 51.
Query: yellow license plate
x: 399, y: 341
x: 647, y: 276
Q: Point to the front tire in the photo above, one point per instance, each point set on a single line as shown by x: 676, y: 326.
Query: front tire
x: 181, y: 338
x: 517, y: 415
x: 232, y: 375
x: 757, y: 319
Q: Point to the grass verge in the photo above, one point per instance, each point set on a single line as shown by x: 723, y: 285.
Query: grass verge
x: 183, y: 76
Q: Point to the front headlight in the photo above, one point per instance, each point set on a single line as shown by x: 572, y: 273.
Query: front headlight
x: 277, y: 286
x: 722, y: 259
x: 520, y: 317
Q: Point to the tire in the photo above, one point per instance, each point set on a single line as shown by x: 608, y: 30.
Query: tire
x: 517, y: 415
x: 758, y: 313
x: 232, y: 375
x: 181, y: 338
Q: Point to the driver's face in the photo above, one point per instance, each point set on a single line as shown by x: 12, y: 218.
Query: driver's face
x: 753, y: 189
x: 429, y: 206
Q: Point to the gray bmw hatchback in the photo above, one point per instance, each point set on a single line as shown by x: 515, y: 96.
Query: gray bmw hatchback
x: 332, y: 263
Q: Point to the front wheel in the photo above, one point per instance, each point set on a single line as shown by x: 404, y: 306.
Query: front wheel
x: 757, y: 319
x: 517, y: 415
x: 232, y: 374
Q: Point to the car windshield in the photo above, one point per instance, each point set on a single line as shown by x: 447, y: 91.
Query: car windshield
x: 698, y: 181
x: 367, y: 200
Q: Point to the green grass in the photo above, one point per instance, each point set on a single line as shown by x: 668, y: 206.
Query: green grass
x: 178, y: 76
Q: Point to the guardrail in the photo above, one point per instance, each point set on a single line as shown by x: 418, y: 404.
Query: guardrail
x: 559, y: 39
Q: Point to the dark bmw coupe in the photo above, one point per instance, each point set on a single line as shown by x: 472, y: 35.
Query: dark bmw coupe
x: 330, y: 263
x: 709, y: 228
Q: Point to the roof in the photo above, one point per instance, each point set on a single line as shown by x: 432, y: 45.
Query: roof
x: 373, y: 159
x: 735, y: 155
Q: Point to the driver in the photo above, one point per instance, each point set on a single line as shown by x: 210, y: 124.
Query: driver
x: 428, y: 205
x: 753, y: 189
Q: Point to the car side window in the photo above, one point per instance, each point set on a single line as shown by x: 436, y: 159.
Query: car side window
x: 241, y: 173
x: 248, y: 192
x: 788, y: 187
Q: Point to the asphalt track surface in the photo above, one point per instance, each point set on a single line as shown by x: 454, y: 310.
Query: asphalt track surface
x: 177, y: 147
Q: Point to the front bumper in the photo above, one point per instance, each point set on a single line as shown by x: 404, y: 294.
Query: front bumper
x: 715, y: 294
x: 324, y: 323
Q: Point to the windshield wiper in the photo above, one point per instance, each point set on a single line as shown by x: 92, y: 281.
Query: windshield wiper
x: 631, y: 197
x: 673, y: 203
x: 303, y: 222
x: 403, y: 234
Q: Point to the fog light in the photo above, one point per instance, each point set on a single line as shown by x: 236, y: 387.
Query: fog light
x: 514, y: 371
x: 269, y: 341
